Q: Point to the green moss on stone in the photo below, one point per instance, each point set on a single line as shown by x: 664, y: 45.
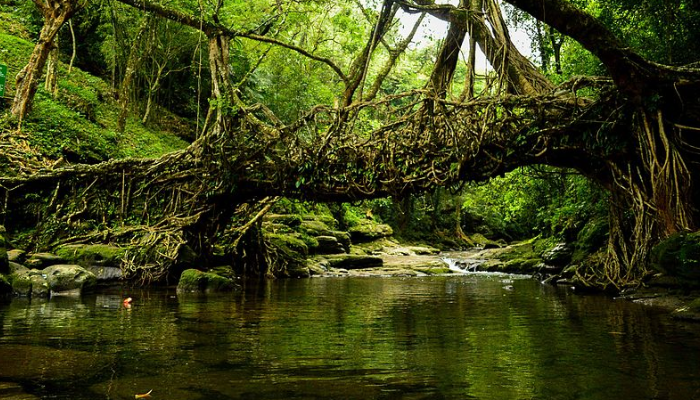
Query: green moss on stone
x: 368, y: 230
x: 289, y: 243
x: 591, y: 238
x: 315, y: 228
x: 193, y: 280
x: 90, y: 254
x: 678, y: 255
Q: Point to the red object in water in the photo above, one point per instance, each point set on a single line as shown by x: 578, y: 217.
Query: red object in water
x: 127, y: 301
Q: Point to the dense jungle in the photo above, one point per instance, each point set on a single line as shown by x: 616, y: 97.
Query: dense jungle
x: 160, y: 136
x: 355, y: 199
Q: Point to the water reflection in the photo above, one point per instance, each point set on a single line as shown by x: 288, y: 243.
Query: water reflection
x: 357, y: 338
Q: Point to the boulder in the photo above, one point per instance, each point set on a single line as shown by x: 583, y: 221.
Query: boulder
x: 679, y: 256
x: 328, y: 245
x: 290, y: 244
x: 326, y: 219
x: 42, y: 260
x: 92, y: 254
x: 16, y: 255
x: 344, y: 239
x: 317, y: 266
x: 196, y: 281
x: 592, y: 237
x: 290, y: 220
x: 352, y: 261
x: 30, y: 283
x: 105, y: 274
x: 315, y: 228
x: 559, y: 255
x: 689, y: 311
x: 367, y: 231
x: 69, y: 279
x: 14, y: 267
x: 297, y: 270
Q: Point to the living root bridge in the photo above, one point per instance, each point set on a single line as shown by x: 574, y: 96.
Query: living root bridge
x: 188, y: 200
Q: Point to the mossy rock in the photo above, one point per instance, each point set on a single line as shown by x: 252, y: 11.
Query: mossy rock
x: 69, y: 278
x: 43, y: 260
x: 290, y: 220
x: 522, y: 265
x: 526, y: 250
x: 90, y: 254
x: 367, y: 231
x: 196, y: 281
x: 328, y: 245
x: 678, y: 255
x: 30, y: 283
x: 224, y: 270
x: 558, y: 255
x: 482, y: 241
x: 297, y: 269
x: 592, y: 237
x: 343, y: 238
x: 315, y: 228
x: 290, y: 244
x: 690, y: 311
x: 326, y: 219
x: 273, y: 227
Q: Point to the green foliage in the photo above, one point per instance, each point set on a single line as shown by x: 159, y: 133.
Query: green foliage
x: 527, y: 201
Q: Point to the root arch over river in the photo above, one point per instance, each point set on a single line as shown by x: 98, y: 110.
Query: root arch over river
x: 633, y: 133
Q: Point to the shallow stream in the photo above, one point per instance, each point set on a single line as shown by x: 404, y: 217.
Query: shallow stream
x: 472, y: 336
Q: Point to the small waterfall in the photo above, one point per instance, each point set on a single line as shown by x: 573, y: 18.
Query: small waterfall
x: 462, y: 265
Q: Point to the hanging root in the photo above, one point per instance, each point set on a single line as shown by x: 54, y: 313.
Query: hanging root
x: 649, y: 203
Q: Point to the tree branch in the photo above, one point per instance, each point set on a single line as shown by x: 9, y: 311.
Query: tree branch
x: 210, y: 28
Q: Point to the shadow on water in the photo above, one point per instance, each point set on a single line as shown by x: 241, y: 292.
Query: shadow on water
x: 480, y: 337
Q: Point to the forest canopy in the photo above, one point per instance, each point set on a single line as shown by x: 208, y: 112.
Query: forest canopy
x: 333, y: 101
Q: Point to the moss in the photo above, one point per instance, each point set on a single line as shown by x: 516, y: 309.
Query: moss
x: 289, y: 243
x: 290, y: 220
x: 368, y: 230
x: 481, y: 240
x: 224, y: 270
x: 63, y: 278
x: 522, y: 265
x: 193, y: 280
x: 315, y: 228
x: 89, y: 254
x: 326, y: 219
x: 591, y: 238
x: 678, y: 255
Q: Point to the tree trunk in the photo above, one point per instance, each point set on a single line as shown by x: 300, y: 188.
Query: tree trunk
x: 56, y: 13
x: 132, y: 64
x: 51, y: 83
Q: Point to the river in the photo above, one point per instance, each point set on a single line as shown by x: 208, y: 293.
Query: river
x: 473, y: 336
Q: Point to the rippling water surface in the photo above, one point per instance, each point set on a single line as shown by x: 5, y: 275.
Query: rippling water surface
x: 456, y: 337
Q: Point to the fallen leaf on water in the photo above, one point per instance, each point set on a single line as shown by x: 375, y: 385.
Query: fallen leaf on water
x: 143, y: 396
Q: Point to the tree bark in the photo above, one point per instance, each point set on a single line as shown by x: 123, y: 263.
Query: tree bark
x: 51, y: 83
x: 133, y: 62
x: 55, y: 13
